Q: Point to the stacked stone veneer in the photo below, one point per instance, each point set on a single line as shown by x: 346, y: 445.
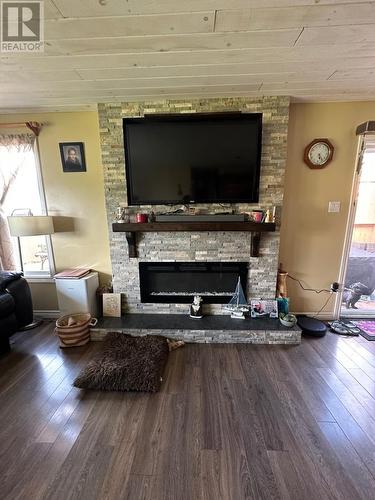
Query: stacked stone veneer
x: 190, y: 246
x: 246, y: 336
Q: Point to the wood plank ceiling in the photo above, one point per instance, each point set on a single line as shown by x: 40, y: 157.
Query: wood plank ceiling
x: 115, y: 50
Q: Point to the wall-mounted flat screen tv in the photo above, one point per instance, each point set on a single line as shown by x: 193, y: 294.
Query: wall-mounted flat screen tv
x: 193, y: 158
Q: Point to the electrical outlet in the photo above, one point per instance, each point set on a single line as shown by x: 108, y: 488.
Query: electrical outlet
x: 334, y: 206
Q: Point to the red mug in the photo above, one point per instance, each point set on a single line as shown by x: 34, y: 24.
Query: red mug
x: 257, y: 215
x: 141, y: 218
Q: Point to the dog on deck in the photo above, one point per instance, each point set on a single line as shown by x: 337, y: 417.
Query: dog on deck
x: 353, y: 293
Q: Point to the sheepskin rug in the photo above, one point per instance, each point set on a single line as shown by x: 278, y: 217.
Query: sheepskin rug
x: 126, y: 363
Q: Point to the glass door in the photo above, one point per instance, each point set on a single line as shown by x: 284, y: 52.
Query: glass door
x: 358, y: 297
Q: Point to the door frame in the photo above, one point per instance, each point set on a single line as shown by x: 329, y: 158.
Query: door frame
x: 361, y: 147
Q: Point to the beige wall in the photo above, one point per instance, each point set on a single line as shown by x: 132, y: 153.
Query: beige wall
x: 312, y: 239
x: 79, y: 197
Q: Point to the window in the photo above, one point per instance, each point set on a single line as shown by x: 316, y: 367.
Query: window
x: 21, y: 192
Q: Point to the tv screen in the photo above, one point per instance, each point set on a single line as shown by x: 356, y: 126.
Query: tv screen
x: 197, y: 158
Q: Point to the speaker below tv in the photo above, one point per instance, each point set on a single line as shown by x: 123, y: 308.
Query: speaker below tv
x: 193, y: 158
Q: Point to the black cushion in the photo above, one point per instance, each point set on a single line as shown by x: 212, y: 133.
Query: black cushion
x: 9, y: 326
x: 7, y: 305
x: 311, y: 326
x: 16, y: 307
x: 20, y: 291
x: 7, y: 277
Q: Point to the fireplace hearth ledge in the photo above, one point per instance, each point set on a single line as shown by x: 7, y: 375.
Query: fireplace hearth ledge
x: 210, y: 329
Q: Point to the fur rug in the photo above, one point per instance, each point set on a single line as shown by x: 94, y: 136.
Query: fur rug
x: 126, y: 363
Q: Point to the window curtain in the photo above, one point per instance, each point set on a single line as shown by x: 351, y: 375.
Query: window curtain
x: 10, y: 144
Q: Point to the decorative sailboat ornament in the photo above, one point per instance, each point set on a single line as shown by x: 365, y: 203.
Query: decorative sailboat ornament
x: 237, y: 305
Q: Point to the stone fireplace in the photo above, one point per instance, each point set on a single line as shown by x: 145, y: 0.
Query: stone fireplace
x: 188, y: 247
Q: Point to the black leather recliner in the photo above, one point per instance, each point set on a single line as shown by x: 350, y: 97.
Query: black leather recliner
x: 16, y: 307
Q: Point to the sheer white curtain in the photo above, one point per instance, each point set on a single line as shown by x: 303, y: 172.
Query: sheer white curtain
x: 13, y: 153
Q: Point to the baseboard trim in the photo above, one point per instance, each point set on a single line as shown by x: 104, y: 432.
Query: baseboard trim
x: 322, y: 315
x: 48, y: 314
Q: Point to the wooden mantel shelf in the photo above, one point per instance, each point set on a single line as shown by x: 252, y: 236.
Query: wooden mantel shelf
x: 132, y: 228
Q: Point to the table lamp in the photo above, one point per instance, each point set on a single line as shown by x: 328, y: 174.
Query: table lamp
x: 30, y: 225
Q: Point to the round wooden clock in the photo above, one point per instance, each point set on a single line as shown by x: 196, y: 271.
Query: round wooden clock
x: 318, y: 153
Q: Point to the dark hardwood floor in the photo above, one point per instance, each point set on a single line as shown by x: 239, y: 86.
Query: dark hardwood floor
x: 231, y: 422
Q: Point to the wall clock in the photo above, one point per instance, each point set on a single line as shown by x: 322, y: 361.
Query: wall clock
x: 318, y: 153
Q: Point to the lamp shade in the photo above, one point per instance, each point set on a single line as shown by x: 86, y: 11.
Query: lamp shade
x: 31, y: 225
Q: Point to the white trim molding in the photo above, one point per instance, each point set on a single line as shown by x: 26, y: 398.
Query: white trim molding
x: 47, y: 314
x: 41, y: 279
x: 325, y: 316
x: 349, y: 225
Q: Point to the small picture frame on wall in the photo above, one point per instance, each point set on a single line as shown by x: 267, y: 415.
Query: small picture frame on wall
x: 72, y: 156
x: 112, y: 305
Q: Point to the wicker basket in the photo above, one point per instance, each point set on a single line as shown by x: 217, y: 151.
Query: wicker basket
x: 77, y: 334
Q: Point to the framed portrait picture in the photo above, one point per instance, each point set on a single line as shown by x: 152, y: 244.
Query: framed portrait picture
x: 72, y: 156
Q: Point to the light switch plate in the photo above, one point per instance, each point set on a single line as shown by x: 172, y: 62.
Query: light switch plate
x: 334, y: 206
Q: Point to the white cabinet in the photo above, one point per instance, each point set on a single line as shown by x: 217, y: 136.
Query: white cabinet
x: 78, y: 295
